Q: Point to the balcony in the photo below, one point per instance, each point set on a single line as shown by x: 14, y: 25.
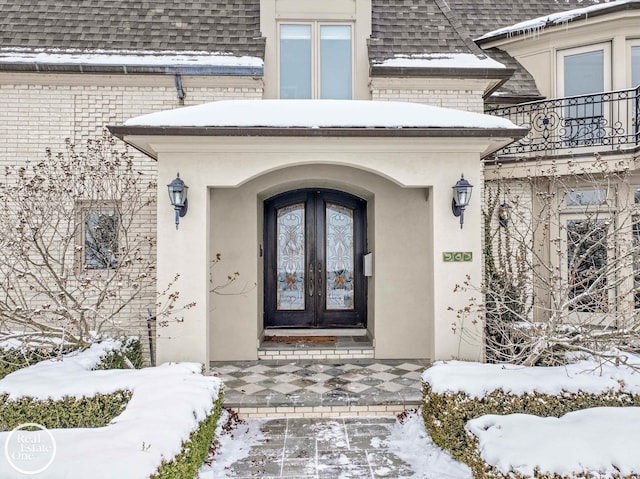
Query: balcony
x: 607, y: 121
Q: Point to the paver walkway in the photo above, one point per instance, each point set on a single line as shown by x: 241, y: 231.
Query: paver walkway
x: 304, y: 448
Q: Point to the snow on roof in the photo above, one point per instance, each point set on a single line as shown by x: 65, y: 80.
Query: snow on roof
x: 540, y: 23
x: 318, y: 114
x: 440, y: 60
x: 597, y: 442
x: 478, y: 380
x: 125, y: 57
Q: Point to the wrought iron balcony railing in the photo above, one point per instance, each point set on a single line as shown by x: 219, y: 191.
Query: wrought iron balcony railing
x: 605, y: 121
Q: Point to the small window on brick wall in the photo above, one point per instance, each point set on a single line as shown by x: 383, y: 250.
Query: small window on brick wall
x: 99, y: 237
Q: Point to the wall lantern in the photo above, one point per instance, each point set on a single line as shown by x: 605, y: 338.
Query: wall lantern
x: 178, y: 197
x: 461, y: 196
x: 504, y: 214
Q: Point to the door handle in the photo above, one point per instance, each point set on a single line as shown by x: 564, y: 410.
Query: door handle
x: 319, y: 278
x: 310, y: 279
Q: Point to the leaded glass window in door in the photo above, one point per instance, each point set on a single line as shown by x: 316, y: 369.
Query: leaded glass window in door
x: 339, y: 256
x: 314, y: 247
x: 291, y: 257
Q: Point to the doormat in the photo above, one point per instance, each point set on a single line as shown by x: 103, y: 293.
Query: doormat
x: 301, y: 339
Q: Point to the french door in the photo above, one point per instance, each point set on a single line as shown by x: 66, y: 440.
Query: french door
x: 314, y: 243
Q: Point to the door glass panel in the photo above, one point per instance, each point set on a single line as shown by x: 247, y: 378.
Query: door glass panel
x: 290, y: 258
x: 587, y: 265
x: 339, y: 257
x: 335, y: 62
x: 295, y: 61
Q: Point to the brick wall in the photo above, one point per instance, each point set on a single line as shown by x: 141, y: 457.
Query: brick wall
x: 468, y: 100
x: 39, y: 111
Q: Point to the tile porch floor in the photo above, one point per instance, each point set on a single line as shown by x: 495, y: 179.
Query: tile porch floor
x: 310, y: 388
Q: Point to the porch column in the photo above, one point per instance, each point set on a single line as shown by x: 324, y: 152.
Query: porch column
x: 449, y: 238
x: 184, y: 252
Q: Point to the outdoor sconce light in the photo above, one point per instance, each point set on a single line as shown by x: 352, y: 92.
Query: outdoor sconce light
x: 178, y: 197
x: 504, y: 214
x: 461, y: 197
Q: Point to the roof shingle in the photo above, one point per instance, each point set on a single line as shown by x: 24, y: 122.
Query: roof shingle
x: 228, y: 26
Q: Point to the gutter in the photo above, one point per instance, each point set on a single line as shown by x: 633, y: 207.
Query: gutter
x: 446, y: 72
x: 204, y: 70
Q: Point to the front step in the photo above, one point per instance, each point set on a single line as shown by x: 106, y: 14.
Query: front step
x: 318, y: 348
x: 355, y: 387
x: 323, y: 411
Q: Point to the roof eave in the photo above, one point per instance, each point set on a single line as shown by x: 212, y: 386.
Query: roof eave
x: 441, y: 72
x: 203, y: 70
x: 124, y: 131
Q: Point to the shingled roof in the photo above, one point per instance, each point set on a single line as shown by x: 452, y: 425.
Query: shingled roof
x: 482, y: 16
x: 414, y: 27
x: 226, y: 26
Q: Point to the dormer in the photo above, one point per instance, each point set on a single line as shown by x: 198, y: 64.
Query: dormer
x: 316, y: 49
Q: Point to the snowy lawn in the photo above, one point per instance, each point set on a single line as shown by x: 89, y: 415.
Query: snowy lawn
x: 167, y: 404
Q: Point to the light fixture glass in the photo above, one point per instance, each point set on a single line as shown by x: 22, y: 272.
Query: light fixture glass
x: 461, y: 196
x: 178, y: 197
x: 504, y: 214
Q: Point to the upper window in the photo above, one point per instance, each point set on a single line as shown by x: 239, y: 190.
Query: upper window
x: 635, y: 66
x: 100, y: 239
x: 583, y: 73
x: 316, y: 61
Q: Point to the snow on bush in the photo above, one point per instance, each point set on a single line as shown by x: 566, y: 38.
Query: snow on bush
x: 456, y: 392
x: 168, y: 403
x: 478, y: 380
x: 598, y: 441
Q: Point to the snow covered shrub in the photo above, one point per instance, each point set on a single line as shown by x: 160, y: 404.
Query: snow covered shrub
x: 590, y: 443
x: 128, y: 356
x: 12, y: 359
x: 194, y: 451
x: 68, y: 412
x: 456, y: 392
x: 445, y: 415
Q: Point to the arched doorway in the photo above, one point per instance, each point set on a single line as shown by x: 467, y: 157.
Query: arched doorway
x: 313, y: 276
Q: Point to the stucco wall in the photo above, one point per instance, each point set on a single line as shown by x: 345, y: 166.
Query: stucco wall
x: 410, y: 182
x: 401, y: 310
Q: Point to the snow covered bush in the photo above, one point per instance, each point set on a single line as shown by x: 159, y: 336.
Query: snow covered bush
x: 456, y: 392
x: 163, y: 431
x: 598, y: 442
x: 69, y: 411
x: 17, y: 354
